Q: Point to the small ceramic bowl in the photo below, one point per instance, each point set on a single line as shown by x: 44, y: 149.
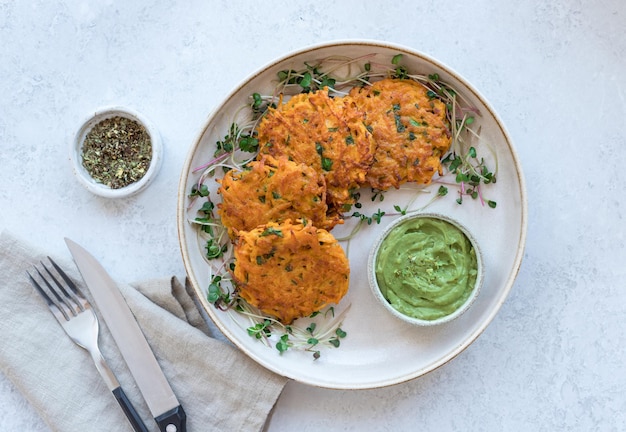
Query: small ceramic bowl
x: 77, y: 159
x: 411, y: 273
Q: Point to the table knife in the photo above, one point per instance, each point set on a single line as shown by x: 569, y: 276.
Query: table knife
x: 161, y: 400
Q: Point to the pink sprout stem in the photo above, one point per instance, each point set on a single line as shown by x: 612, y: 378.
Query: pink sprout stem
x: 214, y: 161
x: 480, y: 195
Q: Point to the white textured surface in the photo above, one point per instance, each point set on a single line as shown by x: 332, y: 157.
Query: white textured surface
x: 556, y: 72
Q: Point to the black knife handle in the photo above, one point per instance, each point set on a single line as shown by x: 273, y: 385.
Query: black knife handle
x: 174, y: 420
x: 129, y: 410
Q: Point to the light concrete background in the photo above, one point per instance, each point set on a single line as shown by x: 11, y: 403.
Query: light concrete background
x: 553, y: 358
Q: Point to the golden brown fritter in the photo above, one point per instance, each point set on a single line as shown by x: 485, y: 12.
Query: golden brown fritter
x: 290, y: 270
x: 325, y: 133
x: 409, y: 128
x: 272, y: 190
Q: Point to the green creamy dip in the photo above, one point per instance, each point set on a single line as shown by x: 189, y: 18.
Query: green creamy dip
x: 426, y: 268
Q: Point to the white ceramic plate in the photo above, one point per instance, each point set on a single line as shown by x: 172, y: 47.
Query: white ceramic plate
x: 379, y: 350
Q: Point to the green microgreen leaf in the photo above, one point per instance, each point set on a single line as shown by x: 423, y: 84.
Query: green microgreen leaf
x: 327, y: 82
x: 400, y: 210
x: 207, y: 208
x: 260, y: 330
x: 214, y: 249
x: 216, y: 295
x: 306, y: 80
x: 215, y: 291
x: 201, y: 191
x: 249, y: 144
x: 283, y: 344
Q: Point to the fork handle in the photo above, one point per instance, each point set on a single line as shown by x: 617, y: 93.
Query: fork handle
x: 128, y: 408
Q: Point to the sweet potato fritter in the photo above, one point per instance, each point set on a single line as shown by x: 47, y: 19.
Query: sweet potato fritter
x: 271, y: 190
x: 325, y: 133
x: 290, y: 270
x: 409, y: 128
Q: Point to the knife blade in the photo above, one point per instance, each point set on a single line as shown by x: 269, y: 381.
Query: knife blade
x: 161, y: 400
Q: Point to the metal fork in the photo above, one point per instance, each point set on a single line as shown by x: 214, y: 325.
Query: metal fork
x: 72, y: 310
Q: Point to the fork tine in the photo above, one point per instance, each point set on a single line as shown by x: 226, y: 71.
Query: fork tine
x: 50, y: 287
x: 46, y: 297
x: 40, y: 289
x: 75, y: 292
x: 65, y: 277
x: 71, y: 296
x: 59, y: 292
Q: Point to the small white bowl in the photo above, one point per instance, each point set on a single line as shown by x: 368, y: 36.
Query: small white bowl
x: 412, y: 320
x: 101, y: 189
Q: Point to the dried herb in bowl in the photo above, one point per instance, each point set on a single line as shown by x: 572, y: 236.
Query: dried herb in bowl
x: 117, y: 152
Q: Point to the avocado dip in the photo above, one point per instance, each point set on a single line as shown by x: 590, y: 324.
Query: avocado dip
x: 426, y: 268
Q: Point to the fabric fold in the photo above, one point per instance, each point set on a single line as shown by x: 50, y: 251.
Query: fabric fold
x: 220, y: 388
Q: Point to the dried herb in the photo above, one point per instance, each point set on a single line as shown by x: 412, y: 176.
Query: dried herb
x: 117, y: 152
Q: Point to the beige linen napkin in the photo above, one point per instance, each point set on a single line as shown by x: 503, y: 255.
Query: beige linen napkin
x: 219, y: 387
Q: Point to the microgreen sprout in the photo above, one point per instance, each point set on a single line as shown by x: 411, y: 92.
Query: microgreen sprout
x: 199, y: 191
x: 218, y: 296
x: 363, y: 218
x: 470, y: 173
x: 283, y: 343
x: 377, y: 195
x: 400, y: 210
x: 215, y: 244
x: 311, y: 79
x: 312, y: 338
x: 260, y: 330
x: 376, y: 217
x: 236, y: 139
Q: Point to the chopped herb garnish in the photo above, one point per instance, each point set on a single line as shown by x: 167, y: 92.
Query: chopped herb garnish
x: 399, y: 126
x: 271, y: 231
x: 327, y: 164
